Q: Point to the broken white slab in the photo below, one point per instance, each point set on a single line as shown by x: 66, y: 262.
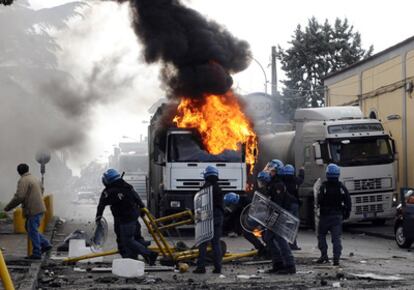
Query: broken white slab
x: 128, y: 268
x: 377, y: 277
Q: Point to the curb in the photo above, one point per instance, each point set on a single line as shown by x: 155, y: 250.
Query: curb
x: 371, y: 234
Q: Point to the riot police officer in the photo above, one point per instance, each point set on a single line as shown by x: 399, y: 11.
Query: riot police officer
x: 283, y: 261
x: 292, y: 183
x: 125, y: 206
x: 211, y: 176
x: 241, y: 202
x: 335, y: 206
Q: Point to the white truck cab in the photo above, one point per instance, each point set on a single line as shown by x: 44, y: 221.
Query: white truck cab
x: 363, y: 150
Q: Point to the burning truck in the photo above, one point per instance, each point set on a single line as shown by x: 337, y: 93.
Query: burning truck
x: 215, y: 132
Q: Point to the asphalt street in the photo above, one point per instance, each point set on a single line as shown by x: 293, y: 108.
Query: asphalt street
x: 362, y: 255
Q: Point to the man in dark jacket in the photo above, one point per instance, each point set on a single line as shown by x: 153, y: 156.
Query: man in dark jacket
x: 211, y: 176
x: 335, y: 205
x: 292, y: 183
x: 125, y: 206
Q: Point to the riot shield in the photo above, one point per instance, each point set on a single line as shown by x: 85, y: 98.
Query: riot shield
x: 203, y: 214
x: 316, y: 187
x: 100, y: 235
x: 273, y: 217
x: 249, y: 224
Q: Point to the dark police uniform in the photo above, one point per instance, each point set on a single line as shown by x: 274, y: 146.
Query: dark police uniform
x: 282, y: 258
x: 125, y: 205
x: 335, y: 205
x: 292, y: 183
x: 218, y: 213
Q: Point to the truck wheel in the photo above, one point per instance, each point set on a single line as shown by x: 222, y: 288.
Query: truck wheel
x: 401, y: 239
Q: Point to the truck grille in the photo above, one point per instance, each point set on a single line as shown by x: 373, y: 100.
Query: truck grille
x: 198, y: 183
x: 368, y: 208
x: 367, y: 184
x: 369, y: 198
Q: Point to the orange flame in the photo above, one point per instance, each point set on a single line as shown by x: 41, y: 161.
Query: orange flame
x: 221, y: 124
x: 257, y: 233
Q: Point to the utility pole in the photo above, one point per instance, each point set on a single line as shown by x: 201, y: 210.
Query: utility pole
x: 274, y: 72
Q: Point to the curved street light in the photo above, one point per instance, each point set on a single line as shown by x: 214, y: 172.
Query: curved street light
x: 264, y: 72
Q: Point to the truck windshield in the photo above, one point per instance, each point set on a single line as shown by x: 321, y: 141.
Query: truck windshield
x: 187, y: 148
x: 361, y: 151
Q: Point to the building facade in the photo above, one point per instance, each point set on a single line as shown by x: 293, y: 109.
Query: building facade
x: 382, y: 86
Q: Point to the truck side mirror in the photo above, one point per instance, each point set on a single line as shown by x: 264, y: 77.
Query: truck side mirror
x: 317, y: 153
x: 394, y: 149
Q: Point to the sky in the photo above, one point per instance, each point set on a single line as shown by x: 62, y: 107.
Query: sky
x: 262, y: 23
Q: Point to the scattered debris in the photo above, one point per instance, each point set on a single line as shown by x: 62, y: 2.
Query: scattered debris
x: 101, y: 269
x: 377, y: 277
x: 77, y: 269
x: 257, y: 262
x: 363, y: 262
x: 158, y: 268
x: 249, y: 277
x: 222, y: 276
x: 75, y: 235
x: 336, y: 285
x: 324, y: 282
x: 107, y: 280
x: 398, y: 257
x: 351, y: 254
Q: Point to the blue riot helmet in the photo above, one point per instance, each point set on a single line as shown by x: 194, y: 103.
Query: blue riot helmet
x: 110, y: 176
x: 231, y: 198
x: 264, y: 176
x: 288, y: 170
x: 333, y: 171
x: 275, y: 165
x: 210, y: 171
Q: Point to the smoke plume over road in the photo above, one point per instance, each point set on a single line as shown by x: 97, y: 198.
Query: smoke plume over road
x: 197, y: 55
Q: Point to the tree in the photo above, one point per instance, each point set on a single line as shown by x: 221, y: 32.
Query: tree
x: 315, y: 52
x: 27, y: 58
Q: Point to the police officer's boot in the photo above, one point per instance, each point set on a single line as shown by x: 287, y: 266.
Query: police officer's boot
x: 199, y: 270
x: 323, y: 260
x: 287, y: 270
x: 151, y: 258
x: 336, y: 261
x: 275, y: 269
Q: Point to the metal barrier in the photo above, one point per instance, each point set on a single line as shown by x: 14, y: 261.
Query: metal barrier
x: 156, y: 227
x: 4, y: 274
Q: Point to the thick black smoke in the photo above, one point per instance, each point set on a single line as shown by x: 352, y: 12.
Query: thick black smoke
x: 198, y: 54
x: 6, y: 2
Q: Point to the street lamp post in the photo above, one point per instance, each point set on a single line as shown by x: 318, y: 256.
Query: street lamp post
x: 264, y: 72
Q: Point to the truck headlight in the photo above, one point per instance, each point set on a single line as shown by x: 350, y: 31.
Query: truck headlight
x: 394, y: 199
x: 175, y: 203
